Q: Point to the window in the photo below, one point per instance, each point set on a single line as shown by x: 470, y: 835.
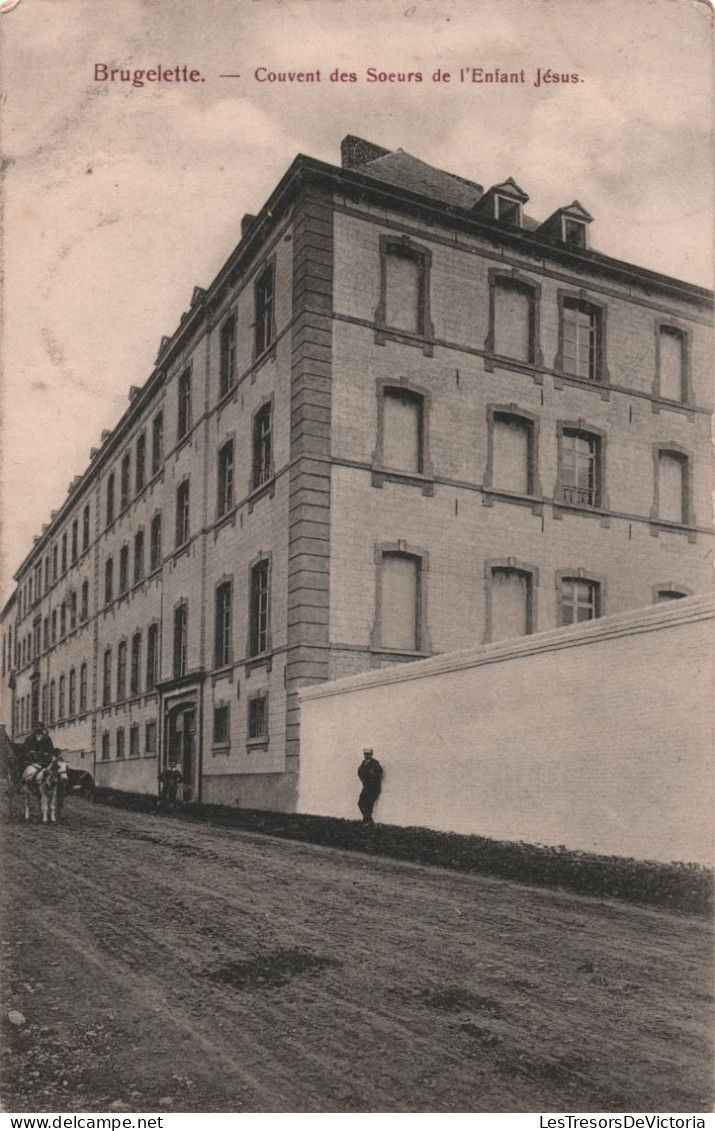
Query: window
x: 64, y: 562
x: 45, y: 633
x: 122, y: 670
x: 47, y: 573
x: 400, y: 590
x: 225, y: 479
x: 579, y: 600
x: 671, y: 364
x: 152, y: 656
x: 135, y: 672
x: 85, y: 529
x: 512, y: 466
x: 72, y: 695
x: 140, y: 463
x: 108, y: 581
x: 107, y: 679
x: 52, y: 702
x: 150, y: 737
x: 262, y: 445
x: 84, y: 606
x: 227, y: 363
x: 110, y: 499
x: 259, y: 611
x: 45, y: 701
x: 182, y: 513
x: 222, y: 638
x: 83, y: 689
x: 157, y: 442
x: 180, y: 640
x: 265, y: 329
x: 184, y: 419
x: 105, y: 746
x: 134, y: 741
x: 63, y: 620
x: 405, y: 296
x: 222, y: 726
x: 575, y: 232
x: 53, y: 626
x: 403, y: 430
x: 400, y: 599
x: 125, y: 481
x: 123, y: 570
x: 73, y: 610
x: 55, y: 572
x: 61, y: 699
x: 138, y: 556
x: 120, y: 743
x: 581, y: 340
x: 258, y: 716
x: 75, y: 543
x: 513, y: 332
x: 155, y: 548
x: 508, y: 210
x: 672, y: 486
x: 580, y: 467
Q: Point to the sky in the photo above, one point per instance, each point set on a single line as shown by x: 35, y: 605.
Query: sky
x: 118, y: 200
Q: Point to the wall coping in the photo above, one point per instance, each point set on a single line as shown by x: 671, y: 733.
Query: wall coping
x: 669, y: 614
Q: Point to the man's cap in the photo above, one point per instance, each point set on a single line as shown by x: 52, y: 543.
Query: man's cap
x: 39, y: 725
x: 368, y: 750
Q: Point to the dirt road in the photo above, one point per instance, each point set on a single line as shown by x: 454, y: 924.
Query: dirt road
x: 161, y: 965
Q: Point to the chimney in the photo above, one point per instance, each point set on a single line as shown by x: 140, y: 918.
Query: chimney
x: 247, y: 221
x: 355, y: 151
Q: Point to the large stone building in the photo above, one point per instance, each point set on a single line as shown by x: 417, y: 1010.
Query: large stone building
x: 403, y: 419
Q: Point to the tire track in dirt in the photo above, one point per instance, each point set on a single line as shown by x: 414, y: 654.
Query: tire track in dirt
x: 152, y: 993
x: 371, y: 1034
x: 373, y: 1020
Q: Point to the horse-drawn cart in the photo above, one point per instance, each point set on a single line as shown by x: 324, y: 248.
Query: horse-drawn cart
x: 24, y: 777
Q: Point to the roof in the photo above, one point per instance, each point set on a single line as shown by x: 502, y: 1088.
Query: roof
x: 405, y: 171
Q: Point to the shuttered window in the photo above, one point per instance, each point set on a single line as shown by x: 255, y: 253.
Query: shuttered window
x: 399, y: 627
x: 403, y: 291
x: 672, y: 364
x: 672, y: 487
x: 403, y: 430
x: 513, y: 321
x: 512, y: 441
x: 510, y: 603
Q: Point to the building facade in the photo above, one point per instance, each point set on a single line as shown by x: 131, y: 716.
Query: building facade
x: 404, y: 418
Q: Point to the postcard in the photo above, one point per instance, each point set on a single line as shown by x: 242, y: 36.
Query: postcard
x: 355, y: 559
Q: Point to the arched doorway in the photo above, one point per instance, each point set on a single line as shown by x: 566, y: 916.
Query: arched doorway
x: 181, y: 745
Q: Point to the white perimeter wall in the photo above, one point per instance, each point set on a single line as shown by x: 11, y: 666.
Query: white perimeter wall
x: 596, y: 737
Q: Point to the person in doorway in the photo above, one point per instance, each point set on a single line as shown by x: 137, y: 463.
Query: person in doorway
x: 169, y: 781
x: 370, y: 774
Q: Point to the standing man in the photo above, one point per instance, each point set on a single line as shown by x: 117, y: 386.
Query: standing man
x: 169, y: 781
x: 370, y: 774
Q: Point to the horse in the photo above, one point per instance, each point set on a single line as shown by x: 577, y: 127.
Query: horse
x: 80, y: 782
x: 45, y: 782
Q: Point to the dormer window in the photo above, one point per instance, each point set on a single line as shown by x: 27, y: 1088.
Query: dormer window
x: 503, y: 202
x: 568, y: 226
x: 508, y: 210
x: 574, y: 232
